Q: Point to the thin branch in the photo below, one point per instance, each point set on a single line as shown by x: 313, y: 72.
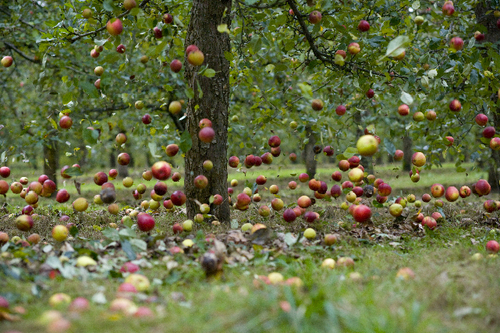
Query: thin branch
x: 78, y: 36
x: 21, y: 53
x: 276, y: 3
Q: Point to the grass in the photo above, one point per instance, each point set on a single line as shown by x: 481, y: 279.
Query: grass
x: 451, y: 292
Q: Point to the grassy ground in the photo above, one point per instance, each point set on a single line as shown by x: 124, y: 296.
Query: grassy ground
x: 451, y: 292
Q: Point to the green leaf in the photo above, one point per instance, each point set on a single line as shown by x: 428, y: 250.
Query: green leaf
x: 127, y: 248
x: 127, y: 232
x: 406, y: 98
x: 152, y: 149
x: 108, y: 5
x: 138, y: 244
x: 111, y: 234
x: 135, y: 11
x: 209, y: 72
x: 89, y: 88
x: 90, y: 135
x: 73, y: 172
x: 396, y: 46
x: 234, y: 224
x: 186, y: 142
x: 350, y: 152
x: 222, y: 28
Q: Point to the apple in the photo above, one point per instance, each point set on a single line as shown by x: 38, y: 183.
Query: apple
x: 367, y: 145
x: 139, y: 281
x: 430, y: 222
x: 353, y: 48
x: 448, y: 8
x: 145, y: 222
x: 24, y: 180
x: 492, y: 246
x: 97, y: 83
x: 114, y: 27
x: 31, y: 197
x: 100, y: 178
x: 234, y: 161
x: 60, y: 233
x: 274, y: 141
x: 178, y: 198
x: 168, y: 204
x: 384, y: 189
x: 172, y: 150
x: 7, y: 61
x: 80, y: 204
x: 495, y: 143
x: 24, y: 222
x: 398, y: 155
x: 430, y: 115
x: 370, y: 93
x: 314, y: 185
x: 419, y: 20
x: 354, y: 162
x: 457, y: 43
x: 161, y: 170
x: 396, y: 209
x: 176, y: 66
x: 277, y: 204
x: 481, y: 119
x: 65, y: 122
x: 337, y: 176
x: 328, y: 151
x: 356, y: 175
x: 479, y: 36
x: 206, y: 134
x: 403, y: 110
x: 418, y: 159
x: 168, y: 18
x: 341, y: 53
x: 289, y: 215
x: 310, y: 233
x: 346, y: 262
x: 489, y: 132
x: 347, y: 184
x: 452, y: 194
x: 160, y: 188
x: 146, y: 119
x: 335, y: 191
x: 157, y: 33
x: 303, y: 177
x: 315, y: 17
x: 482, y: 187
x: 62, y: 196
x: 120, y: 48
x: 455, y: 105
x: 266, y: 158
x: 490, y: 206
x: 129, y: 4
x: 405, y: 273
x: 276, y: 151
x: 200, y: 181
x: 363, y: 26
x: 123, y: 159
x: 196, y: 58
x: 362, y: 213
x: 317, y: 104
x: 418, y: 116
x: 449, y: 141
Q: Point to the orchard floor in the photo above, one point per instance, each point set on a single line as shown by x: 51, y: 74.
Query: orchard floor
x: 451, y: 291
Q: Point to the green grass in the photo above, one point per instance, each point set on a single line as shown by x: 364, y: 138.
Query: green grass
x: 450, y: 292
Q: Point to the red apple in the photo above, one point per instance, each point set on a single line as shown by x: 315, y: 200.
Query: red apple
x: 196, y: 58
x: 362, y: 213
x: 5, y: 172
x: 234, y: 162
x: 178, y: 198
x: 7, y: 61
x: 455, y: 105
x: 167, y: 18
x: 370, y: 93
x: 100, y: 178
x: 418, y: 159
x: 289, y: 215
x: 317, y: 104
x: 353, y: 48
x: 206, y: 134
x: 363, y: 26
x: 65, y: 122
x: 120, y: 48
x: 315, y: 17
x: 340, y: 110
x: 123, y: 159
x: 404, y: 110
x: 457, y: 43
x: 161, y: 170
x: 481, y: 119
x: 492, y: 246
x: 274, y: 141
x: 172, y: 150
x: 482, y: 187
x: 145, y: 222
x: 489, y: 132
x: 114, y: 27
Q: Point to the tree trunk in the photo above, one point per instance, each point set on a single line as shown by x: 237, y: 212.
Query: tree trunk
x: 50, y: 160
x: 206, y: 15
x: 492, y: 36
x: 407, y: 144
x: 308, y: 153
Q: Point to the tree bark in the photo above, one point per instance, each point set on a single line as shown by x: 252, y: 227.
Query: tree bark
x: 50, y: 160
x: 206, y: 15
x: 493, y: 36
x: 407, y: 144
x: 308, y: 153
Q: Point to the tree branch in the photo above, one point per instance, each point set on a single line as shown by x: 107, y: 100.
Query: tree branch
x: 325, y: 58
x: 21, y: 53
x: 78, y: 36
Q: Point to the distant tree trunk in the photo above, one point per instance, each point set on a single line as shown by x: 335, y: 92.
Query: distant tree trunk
x: 492, y: 36
x: 50, y: 160
x: 83, y: 159
x: 408, y: 152
x: 206, y: 16
x: 308, y: 153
